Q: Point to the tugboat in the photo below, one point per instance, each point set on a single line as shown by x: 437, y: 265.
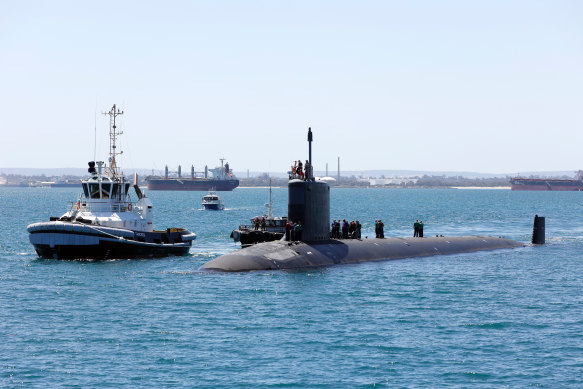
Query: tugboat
x: 212, y: 201
x: 262, y: 228
x: 105, y: 223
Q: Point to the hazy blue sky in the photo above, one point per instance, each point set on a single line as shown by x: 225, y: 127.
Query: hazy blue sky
x: 486, y: 86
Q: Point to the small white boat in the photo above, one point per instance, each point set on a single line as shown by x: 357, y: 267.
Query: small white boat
x: 106, y: 222
x: 212, y: 201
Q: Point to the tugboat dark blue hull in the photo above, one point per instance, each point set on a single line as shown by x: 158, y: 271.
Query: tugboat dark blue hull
x: 214, y: 207
x: 110, y: 250
x: 66, y: 240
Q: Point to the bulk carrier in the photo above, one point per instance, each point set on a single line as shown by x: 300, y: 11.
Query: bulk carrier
x: 220, y: 178
x: 556, y: 184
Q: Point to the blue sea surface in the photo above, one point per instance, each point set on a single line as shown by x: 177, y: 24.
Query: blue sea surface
x: 508, y: 318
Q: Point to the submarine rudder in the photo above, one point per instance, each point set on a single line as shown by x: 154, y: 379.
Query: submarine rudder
x: 538, y: 230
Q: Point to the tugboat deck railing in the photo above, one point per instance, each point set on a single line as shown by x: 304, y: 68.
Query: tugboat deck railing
x: 119, y: 207
x: 268, y: 228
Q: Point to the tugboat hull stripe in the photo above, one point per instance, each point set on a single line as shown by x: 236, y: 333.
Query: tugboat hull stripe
x: 74, y: 229
x: 66, y: 239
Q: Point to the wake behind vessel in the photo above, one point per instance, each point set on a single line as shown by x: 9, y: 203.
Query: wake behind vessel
x: 555, y: 184
x: 105, y: 222
x: 220, y: 178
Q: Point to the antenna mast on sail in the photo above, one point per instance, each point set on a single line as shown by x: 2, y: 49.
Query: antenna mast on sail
x: 113, y: 134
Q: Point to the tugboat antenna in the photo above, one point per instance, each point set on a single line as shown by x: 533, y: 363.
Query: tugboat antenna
x: 95, y: 133
x: 113, y: 134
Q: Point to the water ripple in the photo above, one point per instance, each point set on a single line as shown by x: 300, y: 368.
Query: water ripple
x: 497, y: 319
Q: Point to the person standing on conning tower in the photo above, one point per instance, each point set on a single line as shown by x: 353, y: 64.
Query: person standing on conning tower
x: 298, y: 231
x: 300, y: 171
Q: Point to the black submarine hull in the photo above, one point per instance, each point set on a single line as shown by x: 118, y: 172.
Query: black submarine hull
x: 283, y: 255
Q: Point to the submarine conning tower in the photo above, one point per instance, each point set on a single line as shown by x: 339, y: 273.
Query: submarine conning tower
x: 309, y: 203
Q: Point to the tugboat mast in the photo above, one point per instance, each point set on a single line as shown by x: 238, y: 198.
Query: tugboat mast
x: 113, y: 134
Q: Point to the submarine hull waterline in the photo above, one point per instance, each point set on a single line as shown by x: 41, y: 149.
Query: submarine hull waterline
x: 283, y: 255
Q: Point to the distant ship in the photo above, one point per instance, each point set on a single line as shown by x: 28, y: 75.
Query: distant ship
x: 556, y: 184
x: 221, y: 178
x: 65, y: 184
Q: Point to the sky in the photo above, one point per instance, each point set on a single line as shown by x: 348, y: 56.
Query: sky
x: 484, y: 86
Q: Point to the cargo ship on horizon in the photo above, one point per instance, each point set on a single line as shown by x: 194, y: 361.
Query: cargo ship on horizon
x: 555, y: 184
x: 220, y: 178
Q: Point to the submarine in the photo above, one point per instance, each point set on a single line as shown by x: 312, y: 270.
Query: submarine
x: 309, y: 204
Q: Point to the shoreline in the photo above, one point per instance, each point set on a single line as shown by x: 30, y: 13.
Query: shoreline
x: 481, y: 187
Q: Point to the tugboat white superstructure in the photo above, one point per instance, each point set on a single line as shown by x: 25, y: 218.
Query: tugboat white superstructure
x: 105, y: 222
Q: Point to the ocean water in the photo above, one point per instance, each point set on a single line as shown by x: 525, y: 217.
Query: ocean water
x: 509, y: 318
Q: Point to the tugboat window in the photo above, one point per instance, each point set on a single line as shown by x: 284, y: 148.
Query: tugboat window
x: 86, y: 190
x: 127, y: 188
x: 114, y: 191
x: 105, y: 189
x: 94, y: 191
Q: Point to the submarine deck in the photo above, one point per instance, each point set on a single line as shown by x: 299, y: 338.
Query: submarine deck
x: 294, y: 255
